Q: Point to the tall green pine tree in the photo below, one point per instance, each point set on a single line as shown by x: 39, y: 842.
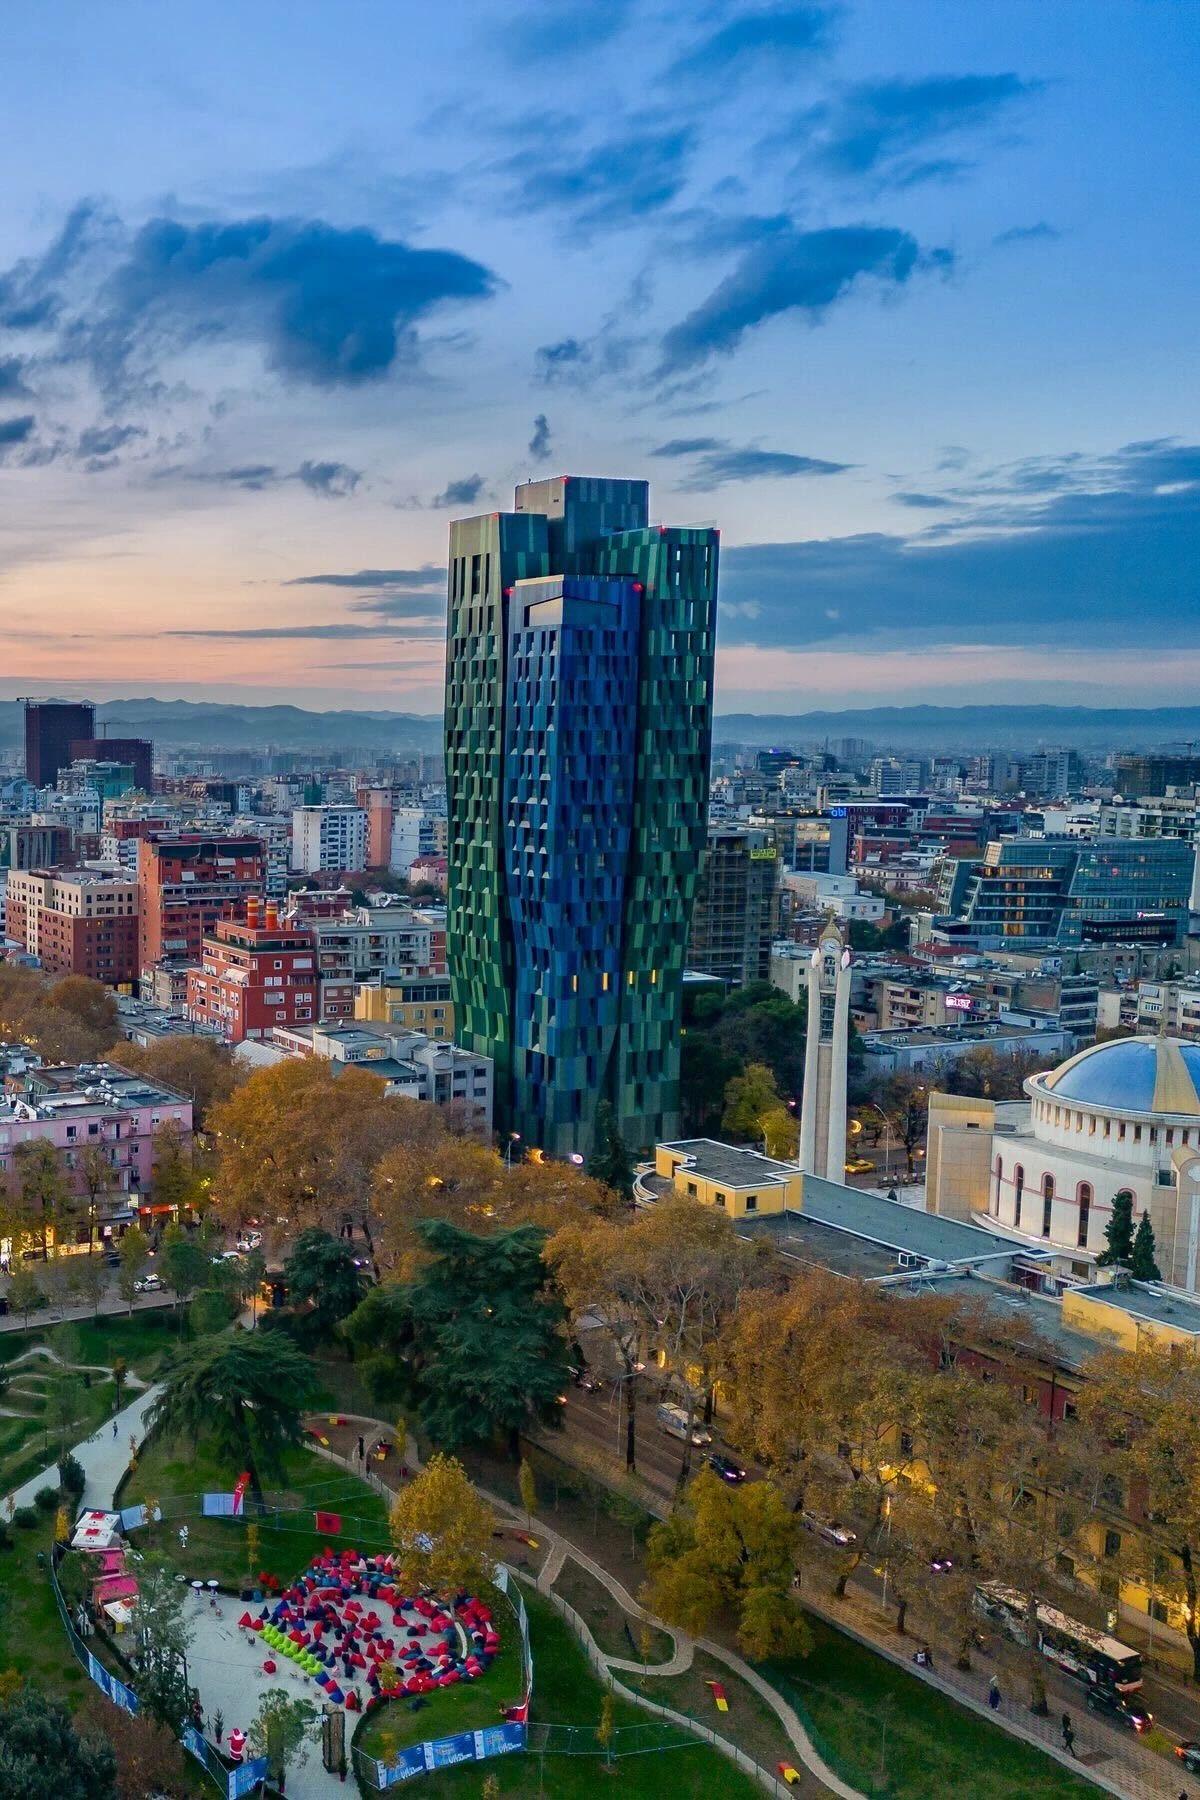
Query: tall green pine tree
x: 1142, y: 1264
x: 1118, y: 1233
x: 610, y: 1161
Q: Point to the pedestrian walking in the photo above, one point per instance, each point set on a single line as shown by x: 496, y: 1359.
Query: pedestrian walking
x: 115, y: 1427
x: 994, y: 1694
x: 1068, y: 1734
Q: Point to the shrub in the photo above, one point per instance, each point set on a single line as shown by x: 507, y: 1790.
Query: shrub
x: 25, y: 1518
x: 71, y: 1476
x: 46, y: 1499
x: 5, y: 1536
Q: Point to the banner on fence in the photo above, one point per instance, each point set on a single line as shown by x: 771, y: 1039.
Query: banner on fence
x: 134, y: 1517
x: 117, y: 1692
x: 444, y: 1753
x: 219, y: 1506
x: 246, y: 1777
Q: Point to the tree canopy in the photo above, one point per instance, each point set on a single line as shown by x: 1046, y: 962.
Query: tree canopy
x: 42, y: 1757
x: 442, y: 1530
x: 322, y: 1274
x: 475, y: 1342
x: 246, y: 1392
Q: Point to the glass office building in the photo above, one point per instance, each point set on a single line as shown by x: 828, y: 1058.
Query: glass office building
x: 578, y: 728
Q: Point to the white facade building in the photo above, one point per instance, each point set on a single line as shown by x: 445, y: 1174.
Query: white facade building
x: 328, y: 838
x: 1121, y: 1117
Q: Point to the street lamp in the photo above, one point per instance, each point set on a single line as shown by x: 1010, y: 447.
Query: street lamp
x: 514, y: 1137
x: 576, y: 1158
x: 887, y: 1140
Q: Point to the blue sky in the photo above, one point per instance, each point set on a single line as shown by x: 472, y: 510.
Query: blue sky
x: 903, y: 296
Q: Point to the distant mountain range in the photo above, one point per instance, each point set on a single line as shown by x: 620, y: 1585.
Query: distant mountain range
x: 206, y: 726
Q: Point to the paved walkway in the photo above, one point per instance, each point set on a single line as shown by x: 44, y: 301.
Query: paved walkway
x: 559, y: 1550
x: 104, y: 1456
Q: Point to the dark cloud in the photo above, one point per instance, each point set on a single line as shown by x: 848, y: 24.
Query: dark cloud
x: 717, y: 467
x: 1028, y: 234
x: 585, y: 362
x: 626, y: 177
x: 325, y: 305
x: 1110, y: 559
x: 413, y: 607
x: 539, y: 443
x: 687, y: 446
x: 30, y: 299
x: 463, y: 492
x: 12, y: 378
x: 554, y: 30
x: 923, y: 502
x: 335, y: 630
x: 772, y: 35
x: 879, y: 128
x: 254, y: 476
x: 376, y: 580
x: 332, y: 480
x: 16, y: 431
x: 103, y: 441
x: 796, y: 271
x: 716, y: 461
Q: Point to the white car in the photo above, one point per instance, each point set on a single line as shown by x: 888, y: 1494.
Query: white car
x: 149, y: 1284
x: 251, y: 1241
x: 829, y: 1530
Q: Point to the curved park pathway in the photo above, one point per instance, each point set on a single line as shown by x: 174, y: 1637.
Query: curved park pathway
x: 559, y: 1550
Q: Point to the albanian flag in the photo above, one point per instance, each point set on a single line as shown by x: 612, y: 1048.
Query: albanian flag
x: 328, y: 1523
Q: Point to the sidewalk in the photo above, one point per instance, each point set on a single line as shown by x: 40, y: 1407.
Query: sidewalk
x: 1113, y: 1760
x: 104, y: 1456
x: 113, y: 1307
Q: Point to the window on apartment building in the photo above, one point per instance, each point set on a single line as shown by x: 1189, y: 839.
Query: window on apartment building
x: 1112, y: 1543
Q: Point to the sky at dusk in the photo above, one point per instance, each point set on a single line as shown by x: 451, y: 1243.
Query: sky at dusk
x: 902, y: 294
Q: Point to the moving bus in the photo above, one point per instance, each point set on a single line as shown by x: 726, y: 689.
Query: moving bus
x: 1079, y: 1650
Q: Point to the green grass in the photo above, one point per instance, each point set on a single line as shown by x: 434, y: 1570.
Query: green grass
x: 467, y: 1707
x: 605, y: 1619
x: 142, y: 1340
x: 751, y: 1722
x: 565, y: 1691
x: 848, y: 1695
x: 177, y: 1474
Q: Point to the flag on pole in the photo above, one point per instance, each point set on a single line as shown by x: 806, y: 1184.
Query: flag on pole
x: 239, y: 1492
x: 329, y: 1523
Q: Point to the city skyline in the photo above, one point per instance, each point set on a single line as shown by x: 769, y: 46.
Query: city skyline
x: 902, y: 295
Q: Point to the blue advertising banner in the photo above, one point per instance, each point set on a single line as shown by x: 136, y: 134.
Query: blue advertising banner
x: 407, y: 1764
x: 246, y: 1776
x: 442, y: 1753
x: 217, y: 1506
x: 117, y: 1692
x: 497, y: 1740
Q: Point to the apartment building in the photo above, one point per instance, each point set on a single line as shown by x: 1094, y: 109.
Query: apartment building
x: 78, y: 922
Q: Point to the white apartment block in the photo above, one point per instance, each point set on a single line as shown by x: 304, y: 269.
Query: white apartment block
x: 328, y: 838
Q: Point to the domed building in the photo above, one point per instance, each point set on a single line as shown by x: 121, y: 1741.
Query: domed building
x: 1118, y: 1117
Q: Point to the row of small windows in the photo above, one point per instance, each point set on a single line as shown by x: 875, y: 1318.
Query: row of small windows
x: 1067, y: 1119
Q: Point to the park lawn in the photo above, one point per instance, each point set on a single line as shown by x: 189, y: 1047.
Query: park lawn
x: 32, y: 1639
x: 565, y: 1691
x: 857, y: 1703
x: 615, y: 1632
x: 468, y: 1707
x: 143, y: 1339
x: 750, y: 1722
x: 177, y: 1475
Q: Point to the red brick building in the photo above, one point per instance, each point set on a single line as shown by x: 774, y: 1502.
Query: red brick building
x: 187, y: 881
x: 255, y: 974
x: 77, y: 922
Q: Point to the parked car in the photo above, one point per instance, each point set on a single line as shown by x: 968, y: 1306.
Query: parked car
x: 725, y: 1467
x: 149, y: 1284
x: 674, y: 1421
x: 250, y: 1240
x: 1119, y: 1708
x: 1189, y: 1756
x: 829, y: 1530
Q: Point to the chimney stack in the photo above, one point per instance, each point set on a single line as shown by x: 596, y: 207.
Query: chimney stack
x: 272, y: 916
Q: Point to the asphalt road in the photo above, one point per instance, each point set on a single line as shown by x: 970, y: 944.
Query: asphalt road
x: 593, y: 1421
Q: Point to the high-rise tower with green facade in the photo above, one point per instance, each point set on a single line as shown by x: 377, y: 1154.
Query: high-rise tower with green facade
x: 578, y: 724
